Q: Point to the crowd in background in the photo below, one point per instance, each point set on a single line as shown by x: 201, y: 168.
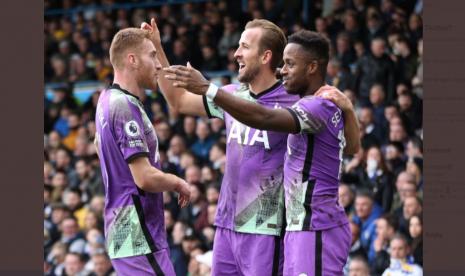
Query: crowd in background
x: 376, y: 60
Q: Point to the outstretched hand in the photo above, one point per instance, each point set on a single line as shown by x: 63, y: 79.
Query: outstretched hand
x: 337, y: 97
x: 188, y: 78
x: 153, y: 30
x: 184, y: 193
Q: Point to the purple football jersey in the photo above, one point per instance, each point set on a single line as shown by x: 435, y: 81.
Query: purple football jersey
x: 134, y: 219
x: 252, y: 197
x: 312, y: 166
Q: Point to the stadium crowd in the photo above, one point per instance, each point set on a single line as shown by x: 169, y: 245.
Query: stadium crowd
x: 376, y: 60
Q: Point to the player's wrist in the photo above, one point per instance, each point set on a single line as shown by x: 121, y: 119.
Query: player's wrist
x: 212, y: 91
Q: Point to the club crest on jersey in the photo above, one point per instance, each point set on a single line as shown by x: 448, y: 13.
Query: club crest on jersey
x: 131, y: 128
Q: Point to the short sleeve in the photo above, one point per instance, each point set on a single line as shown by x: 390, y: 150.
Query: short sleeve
x: 213, y: 110
x: 129, y: 129
x: 309, y: 115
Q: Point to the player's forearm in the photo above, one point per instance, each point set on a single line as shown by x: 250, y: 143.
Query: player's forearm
x: 171, y: 93
x: 351, y: 132
x: 248, y: 113
x: 156, y: 181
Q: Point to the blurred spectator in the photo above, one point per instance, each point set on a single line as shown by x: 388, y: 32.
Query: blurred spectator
x: 163, y: 131
x: 71, y: 236
x: 415, y: 147
x: 176, y: 148
x: 72, y: 199
x: 386, y: 228
x: 338, y: 77
x: 416, y: 233
x: 194, y: 266
x: 344, y: 51
x: 74, y: 265
x: 410, y: 109
x: 102, y: 265
x: 217, y: 155
x: 399, y: 263
x: 377, y: 101
x: 405, y: 186
x: 205, y: 260
x: 210, y: 60
x: 374, y: 176
x: 366, y: 213
x: 356, y: 250
x: 412, y: 206
x: 180, y: 230
x: 358, y: 267
x: 394, y: 157
x: 230, y: 38
x: 189, y: 126
x: 417, y: 81
x: 367, y: 120
x: 346, y: 198
x: 407, y: 60
x: 56, y: 258
x: 375, y: 68
x: 204, y: 143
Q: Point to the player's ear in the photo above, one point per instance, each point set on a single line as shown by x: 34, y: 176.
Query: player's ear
x: 312, y: 67
x: 132, y: 60
x: 266, y: 56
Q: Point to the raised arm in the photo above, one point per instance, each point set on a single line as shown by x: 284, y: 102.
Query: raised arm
x: 255, y: 115
x: 249, y: 113
x: 178, y: 98
x: 150, y: 179
x: 351, y: 128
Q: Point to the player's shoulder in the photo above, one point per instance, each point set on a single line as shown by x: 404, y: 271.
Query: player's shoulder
x: 120, y: 99
x: 231, y: 88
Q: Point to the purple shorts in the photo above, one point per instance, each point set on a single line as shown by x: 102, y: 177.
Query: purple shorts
x: 316, y: 253
x: 157, y: 263
x: 236, y: 253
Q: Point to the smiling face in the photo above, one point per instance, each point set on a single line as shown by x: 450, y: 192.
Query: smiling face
x: 295, y: 70
x: 248, y: 55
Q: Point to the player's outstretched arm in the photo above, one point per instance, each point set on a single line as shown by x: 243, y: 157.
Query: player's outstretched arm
x: 251, y: 114
x: 351, y: 128
x: 151, y: 179
x: 178, y: 99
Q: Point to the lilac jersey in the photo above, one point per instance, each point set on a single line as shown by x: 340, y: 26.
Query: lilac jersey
x: 312, y: 166
x: 134, y: 219
x: 252, y: 198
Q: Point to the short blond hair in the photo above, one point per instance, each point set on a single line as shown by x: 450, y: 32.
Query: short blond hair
x: 125, y: 39
x: 273, y: 39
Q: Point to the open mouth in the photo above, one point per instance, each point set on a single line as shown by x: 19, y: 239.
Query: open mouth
x: 241, y: 66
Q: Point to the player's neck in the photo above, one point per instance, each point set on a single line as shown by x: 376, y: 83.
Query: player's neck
x: 314, y: 85
x: 262, y: 82
x: 128, y: 83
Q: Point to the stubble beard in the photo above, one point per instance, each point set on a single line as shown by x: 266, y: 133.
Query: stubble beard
x: 249, y: 75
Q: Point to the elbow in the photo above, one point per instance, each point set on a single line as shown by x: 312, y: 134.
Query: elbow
x: 353, y: 149
x: 143, y: 181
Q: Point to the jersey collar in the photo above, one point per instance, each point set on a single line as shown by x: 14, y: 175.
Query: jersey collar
x: 266, y: 91
x: 116, y: 86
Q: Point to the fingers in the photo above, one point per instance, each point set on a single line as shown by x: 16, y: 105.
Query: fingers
x: 183, y: 200
x: 145, y: 26
x: 179, y: 80
x: 174, y: 69
x: 180, y: 84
